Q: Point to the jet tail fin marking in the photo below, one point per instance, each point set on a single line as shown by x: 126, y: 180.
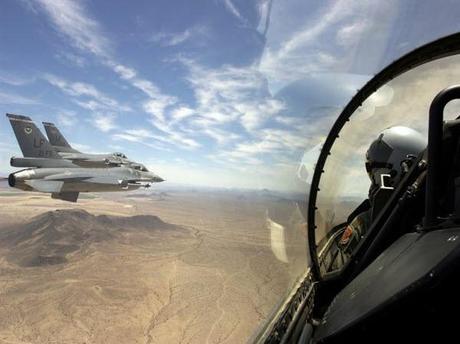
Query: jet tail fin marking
x: 32, y: 142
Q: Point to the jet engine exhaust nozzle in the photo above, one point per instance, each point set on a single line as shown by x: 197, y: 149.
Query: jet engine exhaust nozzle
x: 11, y: 180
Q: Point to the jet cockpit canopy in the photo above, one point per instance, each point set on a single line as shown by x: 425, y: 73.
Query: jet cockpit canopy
x: 340, y: 183
x: 120, y: 155
x: 139, y: 167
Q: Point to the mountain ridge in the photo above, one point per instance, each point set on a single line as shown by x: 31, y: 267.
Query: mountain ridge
x: 48, y: 238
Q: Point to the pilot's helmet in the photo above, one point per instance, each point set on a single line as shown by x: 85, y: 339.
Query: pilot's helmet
x: 386, y: 154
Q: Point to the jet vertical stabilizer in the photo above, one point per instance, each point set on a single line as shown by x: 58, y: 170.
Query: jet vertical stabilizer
x: 57, y: 139
x: 32, y: 142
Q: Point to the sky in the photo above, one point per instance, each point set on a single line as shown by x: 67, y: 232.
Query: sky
x: 226, y: 93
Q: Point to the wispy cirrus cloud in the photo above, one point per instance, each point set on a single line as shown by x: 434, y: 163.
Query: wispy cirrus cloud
x: 229, y: 94
x: 168, y: 39
x: 181, y: 112
x: 277, y: 144
x: 13, y: 98
x: 230, y: 6
x: 222, y: 137
x: 15, y: 80
x: 72, y: 59
x: 71, y: 19
x: 146, y: 86
x: 175, y: 136
x: 67, y: 118
x: 296, y: 48
x: 285, y: 57
x: 148, y: 138
x: 223, y: 96
x: 104, y: 108
x: 156, y: 107
x: 89, y: 97
x: 104, y: 122
x: 264, y: 8
x: 81, y: 147
x: 171, y: 39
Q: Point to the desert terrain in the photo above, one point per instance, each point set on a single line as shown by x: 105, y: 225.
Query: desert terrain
x: 164, y: 266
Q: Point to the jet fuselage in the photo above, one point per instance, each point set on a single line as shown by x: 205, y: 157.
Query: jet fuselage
x: 81, y: 179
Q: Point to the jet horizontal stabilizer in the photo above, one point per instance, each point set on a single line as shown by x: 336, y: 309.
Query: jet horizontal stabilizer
x: 66, y: 196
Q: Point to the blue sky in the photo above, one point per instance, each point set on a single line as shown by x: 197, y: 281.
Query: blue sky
x: 219, y: 92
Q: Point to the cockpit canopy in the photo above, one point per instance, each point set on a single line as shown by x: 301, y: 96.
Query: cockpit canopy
x: 139, y: 167
x: 343, y: 184
x: 119, y: 155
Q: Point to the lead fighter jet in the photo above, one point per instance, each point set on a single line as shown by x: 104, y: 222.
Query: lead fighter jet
x: 67, y: 183
x: 49, y: 171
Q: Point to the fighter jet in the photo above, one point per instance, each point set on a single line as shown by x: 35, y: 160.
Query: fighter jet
x: 60, y: 172
x: 66, y: 151
x: 37, y: 150
x: 67, y: 183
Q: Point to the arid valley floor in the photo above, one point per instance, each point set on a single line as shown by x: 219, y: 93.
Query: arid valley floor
x: 171, y: 266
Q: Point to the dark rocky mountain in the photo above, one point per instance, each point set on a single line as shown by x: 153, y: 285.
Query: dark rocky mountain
x: 49, y: 238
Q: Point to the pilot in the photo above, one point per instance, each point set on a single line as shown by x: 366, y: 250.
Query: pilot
x: 387, y: 160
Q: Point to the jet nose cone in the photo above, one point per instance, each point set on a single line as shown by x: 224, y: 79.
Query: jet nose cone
x: 156, y: 178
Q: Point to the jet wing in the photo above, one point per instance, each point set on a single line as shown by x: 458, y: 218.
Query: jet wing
x: 42, y: 185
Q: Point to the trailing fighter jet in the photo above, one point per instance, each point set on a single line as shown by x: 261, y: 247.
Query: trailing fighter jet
x: 66, y: 151
x: 57, y: 139
x: 37, y: 150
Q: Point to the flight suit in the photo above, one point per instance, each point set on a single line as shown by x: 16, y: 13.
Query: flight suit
x: 354, y: 232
